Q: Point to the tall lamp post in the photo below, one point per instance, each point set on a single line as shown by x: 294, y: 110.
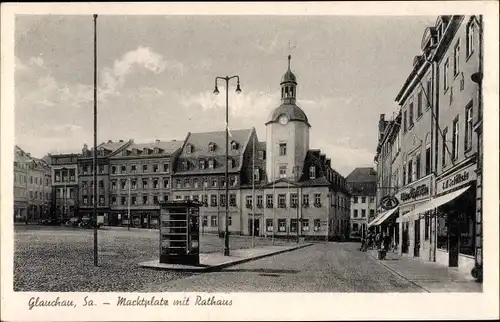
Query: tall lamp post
x: 63, y: 213
x: 216, y: 91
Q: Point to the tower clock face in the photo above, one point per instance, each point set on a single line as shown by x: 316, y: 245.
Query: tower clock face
x: 283, y: 119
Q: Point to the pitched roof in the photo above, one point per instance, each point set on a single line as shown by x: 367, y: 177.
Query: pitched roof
x: 200, y: 150
x: 200, y: 142
x: 362, y: 174
x: 168, y: 147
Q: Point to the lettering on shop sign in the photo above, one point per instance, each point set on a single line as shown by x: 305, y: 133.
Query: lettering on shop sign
x: 455, y: 180
x: 414, y: 193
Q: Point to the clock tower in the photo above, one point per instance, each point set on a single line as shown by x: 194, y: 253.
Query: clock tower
x: 287, y: 134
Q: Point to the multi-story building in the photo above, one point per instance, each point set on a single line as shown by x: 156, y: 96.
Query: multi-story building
x: 20, y: 184
x: 440, y: 103
x: 139, y: 178
x: 389, y: 173
x: 362, y: 186
x: 64, y: 185
x: 32, y: 189
x: 105, y: 151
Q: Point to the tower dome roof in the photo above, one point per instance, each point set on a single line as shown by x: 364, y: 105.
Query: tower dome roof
x: 292, y: 111
x: 289, y: 77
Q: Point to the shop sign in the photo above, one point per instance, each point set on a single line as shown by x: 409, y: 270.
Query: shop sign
x: 419, y: 190
x: 416, y: 192
x: 456, y: 179
x: 389, y: 202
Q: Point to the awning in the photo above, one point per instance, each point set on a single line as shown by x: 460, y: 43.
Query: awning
x: 382, y: 217
x: 432, y: 204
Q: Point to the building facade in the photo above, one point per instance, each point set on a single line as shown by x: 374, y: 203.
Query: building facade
x: 139, y: 178
x: 362, y: 186
x: 32, y: 187
x: 439, y: 104
x: 64, y: 185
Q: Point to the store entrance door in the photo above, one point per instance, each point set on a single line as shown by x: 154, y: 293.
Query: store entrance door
x: 416, y: 247
x: 253, y: 224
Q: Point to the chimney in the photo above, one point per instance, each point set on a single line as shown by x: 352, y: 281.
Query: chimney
x: 328, y: 162
x: 110, y: 141
x: 121, y: 141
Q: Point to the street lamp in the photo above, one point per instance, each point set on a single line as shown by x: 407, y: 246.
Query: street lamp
x: 216, y: 91
x: 63, y: 170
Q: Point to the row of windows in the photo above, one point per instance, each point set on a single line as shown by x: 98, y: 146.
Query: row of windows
x: 205, y: 182
x: 455, y: 137
x: 33, y: 195
x: 282, y: 224
x: 423, y: 99
x: 363, y: 199
x: 155, y: 168
x: 281, y: 200
x: 64, y: 175
x: 212, y: 147
x: 203, y: 164
x: 363, y: 213
x: 138, y: 200
x: 32, y: 180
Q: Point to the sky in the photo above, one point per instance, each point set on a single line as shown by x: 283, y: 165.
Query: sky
x: 156, y: 77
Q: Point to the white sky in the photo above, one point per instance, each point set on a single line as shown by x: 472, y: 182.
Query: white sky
x: 156, y: 77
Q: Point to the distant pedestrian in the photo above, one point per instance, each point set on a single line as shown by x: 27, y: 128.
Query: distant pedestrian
x: 378, y: 240
x: 386, y: 241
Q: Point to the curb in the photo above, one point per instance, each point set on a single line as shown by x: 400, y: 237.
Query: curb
x: 244, y: 260
x: 398, y: 274
x: 207, y: 269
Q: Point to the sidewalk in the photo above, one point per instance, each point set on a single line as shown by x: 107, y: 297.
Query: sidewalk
x: 430, y: 276
x: 216, y: 261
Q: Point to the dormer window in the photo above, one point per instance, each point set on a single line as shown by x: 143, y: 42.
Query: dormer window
x: 234, y: 145
x: 211, y: 147
x: 211, y: 163
x: 124, y: 152
x: 145, y: 151
x: 184, y: 165
x: 261, y: 155
x: 202, y: 164
x: 312, y: 172
x: 232, y: 163
x: 156, y: 151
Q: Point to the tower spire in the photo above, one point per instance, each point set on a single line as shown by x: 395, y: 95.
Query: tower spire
x: 289, y: 58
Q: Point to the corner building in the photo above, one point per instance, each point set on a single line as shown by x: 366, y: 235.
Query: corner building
x: 437, y: 147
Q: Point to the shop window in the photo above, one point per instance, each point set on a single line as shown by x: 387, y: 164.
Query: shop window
x: 355, y: 227
x: 317, y: 224
x: 466, y: 226
x: 442, y: 232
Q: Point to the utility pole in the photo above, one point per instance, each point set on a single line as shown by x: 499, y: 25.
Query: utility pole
x: 253, y: 193
x: 96, y: 263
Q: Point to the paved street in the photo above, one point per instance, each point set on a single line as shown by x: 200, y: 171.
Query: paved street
x: 323, y: 267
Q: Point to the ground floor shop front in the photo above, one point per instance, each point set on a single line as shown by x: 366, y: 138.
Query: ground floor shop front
x: 443, y: 228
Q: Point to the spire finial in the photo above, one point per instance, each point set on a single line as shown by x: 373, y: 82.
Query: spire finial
x: 289, y: 58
